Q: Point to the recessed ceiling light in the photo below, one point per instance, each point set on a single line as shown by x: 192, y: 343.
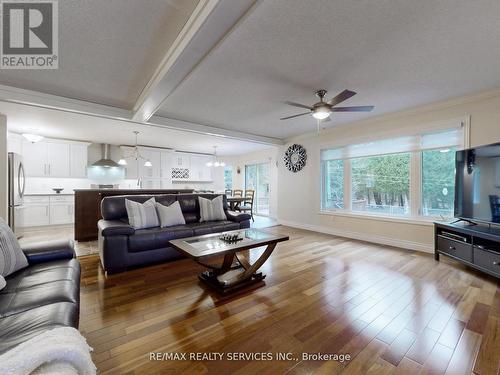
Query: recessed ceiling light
x: 33, y: 138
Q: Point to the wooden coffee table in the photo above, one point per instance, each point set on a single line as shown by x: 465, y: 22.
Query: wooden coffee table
x: 235, y: 272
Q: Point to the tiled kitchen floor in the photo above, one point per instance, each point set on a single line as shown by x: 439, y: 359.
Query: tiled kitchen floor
x: 62, y: 232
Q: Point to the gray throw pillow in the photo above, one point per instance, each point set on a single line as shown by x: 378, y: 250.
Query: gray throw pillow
x: 2, y: 283
x: 142, y: 215
x: 211, y: 210
x: 170, y: 215
x: 12, y: 257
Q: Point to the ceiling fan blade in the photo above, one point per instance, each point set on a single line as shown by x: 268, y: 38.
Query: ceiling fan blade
x: 300, y: 114
x: 298, y: 105
x: 344, y: 95
x: 362, y: 108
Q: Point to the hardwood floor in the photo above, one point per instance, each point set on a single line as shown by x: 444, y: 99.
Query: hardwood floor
x: 393, y: 311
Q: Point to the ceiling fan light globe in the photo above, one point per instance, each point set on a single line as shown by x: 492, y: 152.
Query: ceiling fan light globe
x: 216, y: 164
x: 222, y: 164
x: 321, y: 115
x: 148, y: 164
x: 122, y: 162
x: 209, y: 164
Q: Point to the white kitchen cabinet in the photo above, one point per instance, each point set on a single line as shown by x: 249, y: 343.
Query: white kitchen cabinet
x: 61, y: 213
x: 48, y: 210
x: 131, y: 169
x: 58, y: 159
x: 199, y: 170
x: 181, y: 160
x: 154, y: 156
x: 36, y: 214
x: 35, y: 159
x: 55, y: 158
x: 78, y: 160
x: 166, y: 158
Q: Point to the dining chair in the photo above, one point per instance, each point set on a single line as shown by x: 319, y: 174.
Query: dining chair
x: 237, y: 193
x: 228, y: 192
x: 248, y: 203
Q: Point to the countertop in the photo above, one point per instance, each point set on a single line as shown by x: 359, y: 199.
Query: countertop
x: 160, y: 190
x: 45, y: 194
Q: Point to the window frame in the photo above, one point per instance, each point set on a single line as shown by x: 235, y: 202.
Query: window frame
x: 415, y: 193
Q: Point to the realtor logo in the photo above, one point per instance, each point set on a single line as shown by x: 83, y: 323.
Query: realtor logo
x: 29, y: 34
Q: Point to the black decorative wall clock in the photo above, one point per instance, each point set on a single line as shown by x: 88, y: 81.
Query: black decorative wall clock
x: 295, y: 158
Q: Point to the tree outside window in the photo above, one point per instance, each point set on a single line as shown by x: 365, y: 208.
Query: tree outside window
x: 381, y: 184
x: 438, y: 182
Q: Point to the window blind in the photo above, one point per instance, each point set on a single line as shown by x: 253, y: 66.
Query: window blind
x: 442, y: 139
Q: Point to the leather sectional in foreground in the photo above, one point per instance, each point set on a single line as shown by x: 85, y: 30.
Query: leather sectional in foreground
x: 43, y: 296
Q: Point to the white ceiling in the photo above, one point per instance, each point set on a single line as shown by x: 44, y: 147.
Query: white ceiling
x: 66, y: 125
x: 108, y: 50
x: 396, y: 54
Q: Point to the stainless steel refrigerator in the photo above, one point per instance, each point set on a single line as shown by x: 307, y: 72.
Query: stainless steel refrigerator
x: 16, y: 193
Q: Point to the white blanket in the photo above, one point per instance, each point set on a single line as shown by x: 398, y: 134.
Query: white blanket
x: 59, y: 351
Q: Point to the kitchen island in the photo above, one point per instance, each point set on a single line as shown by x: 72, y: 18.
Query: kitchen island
x: 88, y: 207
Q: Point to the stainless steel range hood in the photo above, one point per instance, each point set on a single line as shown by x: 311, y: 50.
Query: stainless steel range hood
x: 105, y: 162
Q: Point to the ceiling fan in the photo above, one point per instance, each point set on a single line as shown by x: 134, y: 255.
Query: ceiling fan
x: 322, y: 110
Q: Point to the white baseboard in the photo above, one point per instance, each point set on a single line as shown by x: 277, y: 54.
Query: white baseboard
x: 382, y: 240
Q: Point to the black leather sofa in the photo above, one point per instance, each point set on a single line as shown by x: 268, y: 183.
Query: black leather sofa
x: 122, y: 247
x: 41, y: 297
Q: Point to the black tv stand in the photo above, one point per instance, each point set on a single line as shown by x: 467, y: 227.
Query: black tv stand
x: 465, y: 220
x: 473, y: 244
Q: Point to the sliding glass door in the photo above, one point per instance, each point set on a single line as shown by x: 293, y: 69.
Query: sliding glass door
x: 257, y: 178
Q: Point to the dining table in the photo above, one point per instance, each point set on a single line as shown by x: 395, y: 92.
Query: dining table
x: 234, y: 202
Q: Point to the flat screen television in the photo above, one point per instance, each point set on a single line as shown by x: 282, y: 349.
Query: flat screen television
x: 477, y: 184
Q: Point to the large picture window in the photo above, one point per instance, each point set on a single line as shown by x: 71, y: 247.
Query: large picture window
x: 402, y: 177
x: 381, y: 184
x: 334, y: 184
x: 438, y: 182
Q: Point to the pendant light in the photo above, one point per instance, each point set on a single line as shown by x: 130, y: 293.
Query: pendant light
x: 135, y: 154
x: 216, y: 163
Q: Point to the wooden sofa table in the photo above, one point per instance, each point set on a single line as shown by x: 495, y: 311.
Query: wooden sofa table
x: 235, y: 272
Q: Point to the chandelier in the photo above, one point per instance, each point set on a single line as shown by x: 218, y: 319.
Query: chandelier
x: 135, y: 154
x: 216, y: 163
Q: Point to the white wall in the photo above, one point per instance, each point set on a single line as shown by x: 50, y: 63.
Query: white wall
x: 269, y: 155
x: 3, y: 168
x: 299, y: 193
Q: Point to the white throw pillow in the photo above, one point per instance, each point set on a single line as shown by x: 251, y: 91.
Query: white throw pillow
x: 2, y: 282
x: 211, y: 210
x: 142, y: 215
x: 12, y: 257
x: 170, y: 215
